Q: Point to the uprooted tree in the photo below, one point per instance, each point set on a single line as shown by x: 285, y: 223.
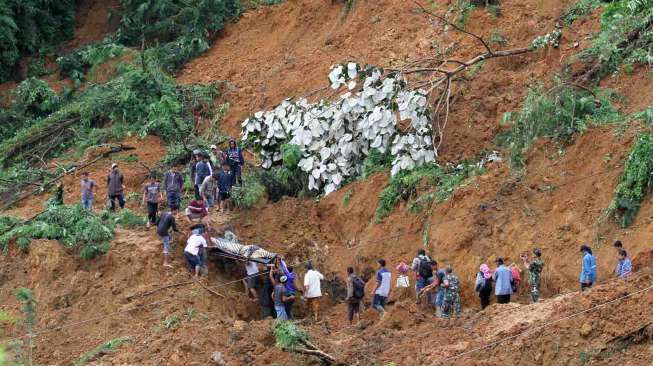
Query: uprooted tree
x: 402, y: 112
x: 291, y: 338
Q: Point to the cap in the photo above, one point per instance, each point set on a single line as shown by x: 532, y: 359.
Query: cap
x: 197, y: 152
x: 213, y: 147
x: 283, y: 279
x: 114, y: 165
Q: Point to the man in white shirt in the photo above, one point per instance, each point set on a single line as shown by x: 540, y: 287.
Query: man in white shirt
x: 192, y: 252
x: 312, y: 289
x: 250, y: 280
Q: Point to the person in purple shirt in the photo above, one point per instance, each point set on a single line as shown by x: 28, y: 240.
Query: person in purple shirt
x: 291, y: 286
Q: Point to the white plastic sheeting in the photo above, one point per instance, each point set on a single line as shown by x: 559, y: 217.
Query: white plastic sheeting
x: 335, y: 137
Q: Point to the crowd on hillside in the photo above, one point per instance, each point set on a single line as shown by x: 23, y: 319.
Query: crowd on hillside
x: 276, y: 288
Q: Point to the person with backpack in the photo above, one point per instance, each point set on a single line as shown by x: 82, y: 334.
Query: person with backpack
x: 502, y: 278
x: 451, y: 285
x: 381, y: 290
x: 534, y: 268
x: 587, y: 269
x: 423, y: 274
x: 173, y: 185
x: 116, y: 187
x: 355, y: 295
x: 483, y: 285
x: 236, y: 160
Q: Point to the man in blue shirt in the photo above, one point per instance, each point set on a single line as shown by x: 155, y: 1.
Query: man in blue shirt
x: 624, y: 267
x: 381, y: 290
x: 503, y: 282
x: 225, y: 183
x: 588, y: 268
x: 236, y: 160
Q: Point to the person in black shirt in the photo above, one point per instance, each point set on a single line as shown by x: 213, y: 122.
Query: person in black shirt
x: 166, y: 222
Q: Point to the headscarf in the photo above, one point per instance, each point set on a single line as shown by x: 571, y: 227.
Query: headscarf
x: 402, y: 267
x: 486, y: 271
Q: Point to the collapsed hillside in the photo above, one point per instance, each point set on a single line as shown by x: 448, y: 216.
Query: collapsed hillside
x: 556, y: 203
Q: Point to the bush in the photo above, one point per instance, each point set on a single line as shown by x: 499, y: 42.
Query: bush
x: 32, y: 99
x: 249, y: 194
x: 635, y: 182
x: 129, y: 219
x: 103, y: 349
x: 559, y: 113
x: 74, y: 227
x: 289, y: 335
x: 578, y: 10
x: 77, y: 63
x: 625, y: 37
x: 376, y: 162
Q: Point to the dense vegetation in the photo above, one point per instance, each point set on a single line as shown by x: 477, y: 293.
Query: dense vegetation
x: 559, y: 113
x: 31, y: 26
x: 635, y: 182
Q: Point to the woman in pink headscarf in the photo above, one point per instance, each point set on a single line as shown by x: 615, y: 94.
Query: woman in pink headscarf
x: 484, y: 285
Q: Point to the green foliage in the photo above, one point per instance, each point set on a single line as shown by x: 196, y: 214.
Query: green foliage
x: 462, y: 9
x: 101, y: 350
x: 32, y: 99
x: 249, y: 194
x: 129, y: 219
x: 171, y: 322
x: 578, y: 10
x: 77, y: 63
x: 347, y: 197
x: 635, y: 182
x: 559, y: 113
x: 180, y: 29
x: 376, y: 162
x: 497, y: 38
x: 30, y: 26
x: 626, y: 37
x: 74, y: 227
x: 404, y: 186
x: 289, y: 335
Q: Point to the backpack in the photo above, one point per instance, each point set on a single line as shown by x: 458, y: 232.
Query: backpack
x: 424, y: 269
x: 359, y: 288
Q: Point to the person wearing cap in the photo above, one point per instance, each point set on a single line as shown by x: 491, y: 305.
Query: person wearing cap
x: 588, y: 268
x: 86, y: 188
x: 209, y: 189
x: 236, y: 160
x: 216, y: 157
x: 280, y: 295
x: 116, y: 188
x: 503, y: 282
x: 534, y: 268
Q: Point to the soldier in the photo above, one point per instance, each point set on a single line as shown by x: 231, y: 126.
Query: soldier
x: 534, y: 272
x: 450, y: 284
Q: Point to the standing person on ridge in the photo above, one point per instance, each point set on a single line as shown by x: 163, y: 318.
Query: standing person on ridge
x: 216, y: 157
x: 225, y: 183
x: 280, y: 295
x: 624, y: 267
x: 451, y: 286
x: 534, y: 268
x: 503, y: 282
x: 483, y: 285
x: 236, y: 160
x: 355, y: 295
x: 312, y: 289
x: 87, y: 191
x: 151, y: 196
x: 200, y: 169
x: 381, y: 290
x: 166, y: 222
x: 588, y: 268
x: 423, y: 274
x: 173, y: 185
x: 116, y: 188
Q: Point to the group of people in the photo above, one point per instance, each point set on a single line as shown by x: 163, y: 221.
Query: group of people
x: 213, y: 176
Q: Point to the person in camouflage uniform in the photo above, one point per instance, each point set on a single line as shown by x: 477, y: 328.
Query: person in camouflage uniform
x: 451, y: 287
x: 534, y: 268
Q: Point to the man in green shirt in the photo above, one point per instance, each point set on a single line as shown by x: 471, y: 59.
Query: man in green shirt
x: 534, y: 268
